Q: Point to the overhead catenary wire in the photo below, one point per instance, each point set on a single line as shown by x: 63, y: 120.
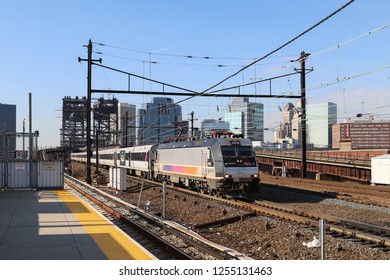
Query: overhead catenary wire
x: 128, y: 16
x: 285, y: 58
x: 319, y: 53
x: 348, y: 78
x: 174, y: 63
x: 206, y: 57
x: 342, y: 44
x: 270, y: 53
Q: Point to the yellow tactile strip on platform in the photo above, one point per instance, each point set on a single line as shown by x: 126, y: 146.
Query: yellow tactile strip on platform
x: 114, y: 244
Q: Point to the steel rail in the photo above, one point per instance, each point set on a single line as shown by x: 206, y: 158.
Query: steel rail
x: 334, y: 224
x: 145, y: 232
x: 197, y: 241
x: 347, y: 227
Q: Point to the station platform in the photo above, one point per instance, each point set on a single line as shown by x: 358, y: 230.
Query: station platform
x: 57, y: 225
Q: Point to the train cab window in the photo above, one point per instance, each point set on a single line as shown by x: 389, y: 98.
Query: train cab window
x: 246, y: 155
x: 229, y: 155
x: 238, y: 156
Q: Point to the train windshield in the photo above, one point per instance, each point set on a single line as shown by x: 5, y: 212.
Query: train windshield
x: 229, y: 154
x: 238, y: 156
x: 246, y: 155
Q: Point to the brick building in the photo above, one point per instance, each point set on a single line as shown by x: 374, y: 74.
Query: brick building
x: 367, y: 134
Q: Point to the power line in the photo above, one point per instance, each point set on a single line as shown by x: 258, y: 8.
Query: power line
x: 114, y: 16
x: 348, y: 78
x: 265, y: 56
x: 281, y: 47
x: 173, y: 63
x: 128, y: 16
x: 183, y: 56
x: 349, y: 41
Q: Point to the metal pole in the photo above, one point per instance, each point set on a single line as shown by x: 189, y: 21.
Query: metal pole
x: 303, y: 114
x: 24, y: 130
x: 322, y: 238
x: 30, y: 138
x: 6, y: 160
x: 140, y: 193
x: 36, y: 140
x: 97, y: 131
x: 158, y: 126
x: 164, y: 199
x: 89, y: 93
x: 126, y: 144
x: 117, y: 128
x: 192, y: 124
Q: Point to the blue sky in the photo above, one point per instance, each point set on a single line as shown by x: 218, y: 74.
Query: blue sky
x: 41, y: 41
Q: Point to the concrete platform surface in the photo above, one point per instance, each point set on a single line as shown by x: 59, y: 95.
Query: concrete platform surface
x: 37, y: 225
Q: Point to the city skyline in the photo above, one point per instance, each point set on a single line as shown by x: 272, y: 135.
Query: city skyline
x: 340, y: 119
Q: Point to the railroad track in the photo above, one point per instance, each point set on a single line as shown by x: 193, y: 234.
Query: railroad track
x: 370, y: 234
x: 149, y: 228
x: 367, y: 234
x: 369, y: 195
x: 152, y: 242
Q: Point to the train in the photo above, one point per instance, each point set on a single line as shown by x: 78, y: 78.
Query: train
x: 217, y: 166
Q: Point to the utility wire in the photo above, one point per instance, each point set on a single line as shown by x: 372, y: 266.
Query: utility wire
x: 281, y: 47
x: 342, y: 44
x: 174, y: 63
x: 181, y: 55
x: 348, y: 78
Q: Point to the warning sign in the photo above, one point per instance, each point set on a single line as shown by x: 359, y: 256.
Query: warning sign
x: 49, y: 166
x: 20, y: 154
x: 20, y: 165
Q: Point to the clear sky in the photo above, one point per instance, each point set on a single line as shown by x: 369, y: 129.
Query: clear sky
x: 41, y: 41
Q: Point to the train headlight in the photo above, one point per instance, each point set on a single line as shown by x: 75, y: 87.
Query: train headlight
x: 227, y: 176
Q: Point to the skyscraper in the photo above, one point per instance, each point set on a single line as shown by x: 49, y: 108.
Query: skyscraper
x: 320, y: 118
x: 158, y: 121
x: 7, y: 124
x: 296, y: 133
x: 246, y: 118
x: 285, y: 130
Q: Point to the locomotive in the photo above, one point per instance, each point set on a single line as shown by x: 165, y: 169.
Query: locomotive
x: 217, y: 166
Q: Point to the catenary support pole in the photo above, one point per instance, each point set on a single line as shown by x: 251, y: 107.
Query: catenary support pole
x: 303, y: 114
